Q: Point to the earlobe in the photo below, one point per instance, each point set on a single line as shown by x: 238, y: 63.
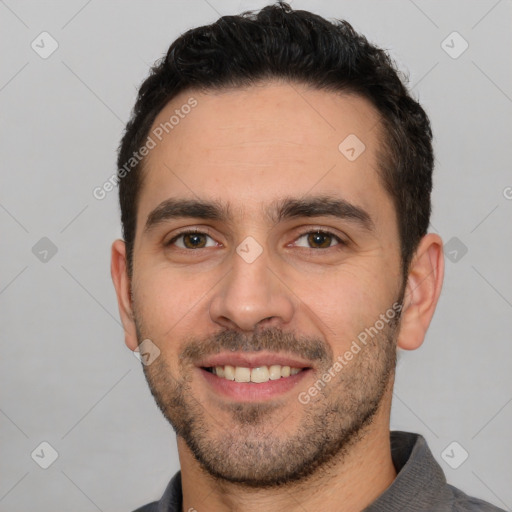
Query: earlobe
x: 422, y: 292
x: 118, y: 270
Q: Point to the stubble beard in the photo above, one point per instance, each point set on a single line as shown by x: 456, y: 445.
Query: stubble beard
x: 250, y: 448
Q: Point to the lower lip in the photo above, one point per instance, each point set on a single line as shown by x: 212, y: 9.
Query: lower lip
x: 253, y: 391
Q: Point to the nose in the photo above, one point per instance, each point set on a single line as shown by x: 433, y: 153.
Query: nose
x: 251, y: 296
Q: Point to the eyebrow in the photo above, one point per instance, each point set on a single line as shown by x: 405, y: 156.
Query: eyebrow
x: 278, y: 211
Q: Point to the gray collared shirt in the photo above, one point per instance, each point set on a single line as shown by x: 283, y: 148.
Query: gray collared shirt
x: 420, y: 485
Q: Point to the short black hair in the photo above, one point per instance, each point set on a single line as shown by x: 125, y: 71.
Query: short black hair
x: 298, y: 46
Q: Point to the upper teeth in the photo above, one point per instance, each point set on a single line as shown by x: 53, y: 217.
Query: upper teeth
x: 259, y: 374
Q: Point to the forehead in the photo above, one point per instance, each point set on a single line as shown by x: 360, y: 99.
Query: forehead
x: 251, y: 146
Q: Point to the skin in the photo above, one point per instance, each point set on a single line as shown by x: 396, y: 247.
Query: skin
x: 249, y: 148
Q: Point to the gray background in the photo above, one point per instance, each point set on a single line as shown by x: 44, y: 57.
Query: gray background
x: 66, y: 376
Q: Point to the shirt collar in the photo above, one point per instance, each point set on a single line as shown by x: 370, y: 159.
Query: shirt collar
x: 419, y: 478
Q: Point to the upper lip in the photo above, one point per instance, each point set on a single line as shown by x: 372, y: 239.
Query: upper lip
x: 254, y: 360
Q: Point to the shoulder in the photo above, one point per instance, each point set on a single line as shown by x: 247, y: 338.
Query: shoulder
x: 461, y: 502
x: 150, y: 507
x: 171, y: 501
x: 420, y: 484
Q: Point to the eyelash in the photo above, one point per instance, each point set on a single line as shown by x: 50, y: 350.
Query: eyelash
x: 340, y: 241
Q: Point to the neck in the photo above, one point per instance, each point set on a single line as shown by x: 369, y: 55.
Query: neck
x: 351, y: 482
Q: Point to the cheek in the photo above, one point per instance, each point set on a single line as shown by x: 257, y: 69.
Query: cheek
x: 344, y: 303
x: 166, y: 303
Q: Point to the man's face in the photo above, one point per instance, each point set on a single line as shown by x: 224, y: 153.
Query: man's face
x: 279, y: 277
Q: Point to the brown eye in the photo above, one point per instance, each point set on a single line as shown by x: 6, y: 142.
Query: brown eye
x: 319, y: 239
x: 322, y: 240
x: 194, y: 240
x: 191, y: 240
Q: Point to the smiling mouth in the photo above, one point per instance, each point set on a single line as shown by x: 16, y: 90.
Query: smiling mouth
x: 257, y: 375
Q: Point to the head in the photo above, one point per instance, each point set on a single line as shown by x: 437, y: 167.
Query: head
x: 290, y: 148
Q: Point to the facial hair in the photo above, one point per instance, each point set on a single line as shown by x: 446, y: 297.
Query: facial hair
x: 244, y: 450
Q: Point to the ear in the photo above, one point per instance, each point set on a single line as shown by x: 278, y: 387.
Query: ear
x: 422, y: 291
x: 118, y: 270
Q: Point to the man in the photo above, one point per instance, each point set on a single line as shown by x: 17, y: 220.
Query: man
x: 275, y: 185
